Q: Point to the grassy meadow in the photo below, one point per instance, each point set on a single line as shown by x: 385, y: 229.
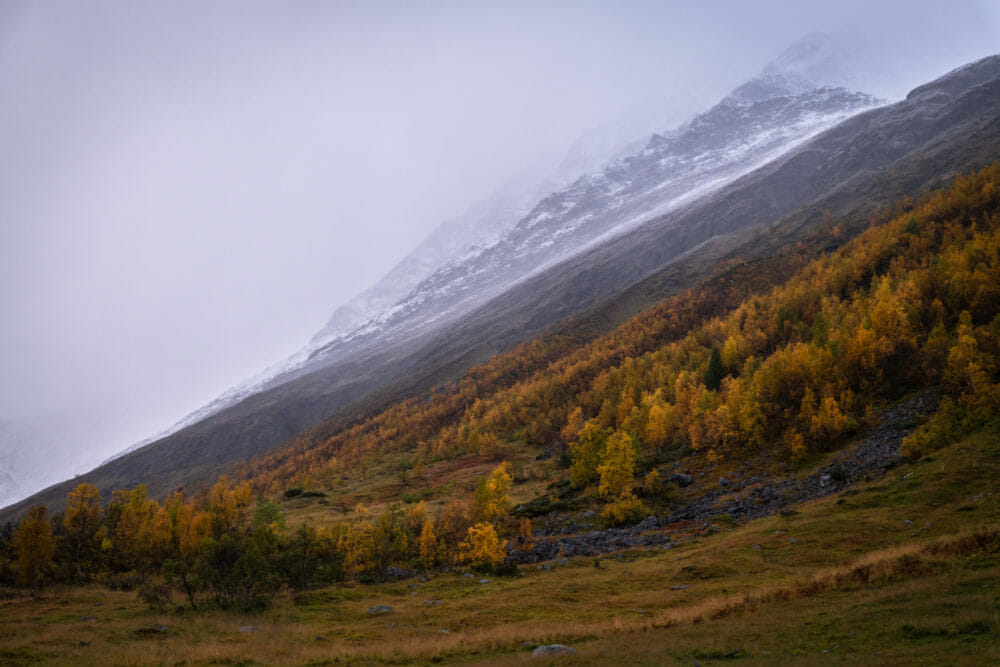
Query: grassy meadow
x: 902, y: 570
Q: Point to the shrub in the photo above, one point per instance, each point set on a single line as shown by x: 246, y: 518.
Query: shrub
x: 624, y: 511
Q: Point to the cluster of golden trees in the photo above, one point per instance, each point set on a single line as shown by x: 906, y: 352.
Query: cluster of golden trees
x: 234, y: 550
x: 132, y: 534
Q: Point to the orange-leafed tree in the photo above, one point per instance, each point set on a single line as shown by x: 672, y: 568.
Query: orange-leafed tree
x: 131, y: 513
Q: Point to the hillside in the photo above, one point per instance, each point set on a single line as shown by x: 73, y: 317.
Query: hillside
x: 942, y: 128
x: 816, y: 464
x: 797, y: 366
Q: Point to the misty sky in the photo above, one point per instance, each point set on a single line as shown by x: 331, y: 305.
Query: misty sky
x: 188, y: 189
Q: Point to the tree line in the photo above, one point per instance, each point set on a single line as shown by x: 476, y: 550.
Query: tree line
x: 228, y: 549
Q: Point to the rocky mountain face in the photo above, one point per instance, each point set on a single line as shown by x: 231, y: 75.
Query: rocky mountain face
x: 758, y: 122
x: 487, y: 222
x: 729, y: 140
x: 621, y: 181
x: 480, y: 226
x: 874, y: 158
x: 866, y: 161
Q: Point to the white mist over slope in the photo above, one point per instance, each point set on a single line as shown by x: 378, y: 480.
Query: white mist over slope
x: 190, y: 189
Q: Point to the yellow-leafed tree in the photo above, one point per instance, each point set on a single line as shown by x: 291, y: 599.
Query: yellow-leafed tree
x: 428, y: 545
x: 34, y: 546
x: 482, y: 548
x: 358, y: 544
x: 617, y: 467
x: 493, y: 495
x: 82, y: 520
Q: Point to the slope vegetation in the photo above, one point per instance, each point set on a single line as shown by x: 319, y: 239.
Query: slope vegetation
x: 842, y: 175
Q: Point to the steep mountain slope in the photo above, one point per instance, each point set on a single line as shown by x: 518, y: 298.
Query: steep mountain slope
x: 791, y: 100
x: 951, y: 124
x: 729, y: 140
x: 455, y: 240
x: 489, y: 221
x: 481, y: 226
x: 868, y: 161
x: 758, y: 122
x: 801, y: 92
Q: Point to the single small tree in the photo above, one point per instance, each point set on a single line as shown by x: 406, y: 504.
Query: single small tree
x: 524, y: 534
x: 617, y: 467
x: 428, y: 544
x: 34, y: 546
x: 358, y: 544
x: 585, y: 453
x: 482, y: 548
x: 238, y: 572
x: 715, y: 371
x: 659, y: 424
x: 574, y: 424
x: 81, y: 521
x: 625, y: 510
x: 492, y: 496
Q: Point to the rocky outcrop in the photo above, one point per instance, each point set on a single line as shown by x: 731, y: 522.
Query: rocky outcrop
x: 644, y: 534
x: 878, y: 452
x: 756, y: 497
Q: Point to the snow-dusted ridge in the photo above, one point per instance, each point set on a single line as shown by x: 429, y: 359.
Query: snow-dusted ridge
x: 508, y: 240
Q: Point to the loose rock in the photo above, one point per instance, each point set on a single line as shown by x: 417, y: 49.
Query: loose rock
x: 681, y: 480
x: 548, y: 650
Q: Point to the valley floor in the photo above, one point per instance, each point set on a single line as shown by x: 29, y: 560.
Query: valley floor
x: 901, y: 570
